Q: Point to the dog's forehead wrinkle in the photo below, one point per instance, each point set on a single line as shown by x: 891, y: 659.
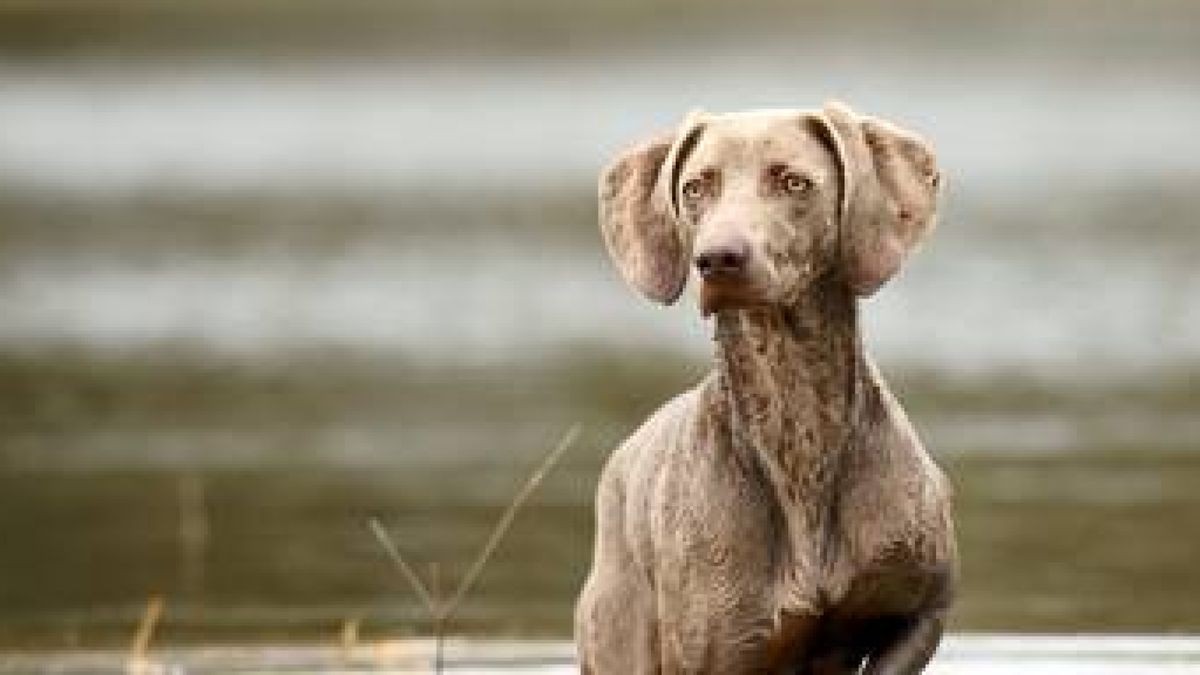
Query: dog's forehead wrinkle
x: 719, y: 153
x: 751, y: 142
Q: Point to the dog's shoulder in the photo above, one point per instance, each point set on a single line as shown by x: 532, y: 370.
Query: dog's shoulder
x: 898, y: 500
x: 670, y: 428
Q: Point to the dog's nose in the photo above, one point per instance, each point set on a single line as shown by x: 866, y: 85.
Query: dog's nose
x: 725, y: 259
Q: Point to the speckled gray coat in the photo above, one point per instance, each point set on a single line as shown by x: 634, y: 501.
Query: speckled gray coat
x: 781, y: 516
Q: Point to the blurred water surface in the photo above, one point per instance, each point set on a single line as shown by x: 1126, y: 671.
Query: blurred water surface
x: 247, y: 304
x: 1068, y: 189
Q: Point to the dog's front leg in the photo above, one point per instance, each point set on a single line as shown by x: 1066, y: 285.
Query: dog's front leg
x: 909, y: 651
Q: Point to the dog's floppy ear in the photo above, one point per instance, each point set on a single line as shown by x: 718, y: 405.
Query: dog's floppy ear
x: 889, y: 195
x: 639, y: 213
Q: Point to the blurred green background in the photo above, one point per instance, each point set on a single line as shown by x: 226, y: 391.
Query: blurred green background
x: 268, y: 269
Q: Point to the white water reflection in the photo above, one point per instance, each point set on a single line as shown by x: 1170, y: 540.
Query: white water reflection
x: 985, y: 297
x: 960, y: 308
x: 960, y: 654
x: 527, y: 121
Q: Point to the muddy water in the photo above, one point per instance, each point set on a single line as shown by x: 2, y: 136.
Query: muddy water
x: 242, y: 497
x: 266, y: 305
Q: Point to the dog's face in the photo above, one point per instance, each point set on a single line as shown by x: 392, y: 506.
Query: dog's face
x: 757, y: 197
x: 762, y: 203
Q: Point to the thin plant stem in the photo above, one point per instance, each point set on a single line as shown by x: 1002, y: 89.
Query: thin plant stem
x: 439, y: 621
x: 441, y: 611
x: 439, y: 645
x: 145, y: 630
x: 385, y: 540
x: 506, y: 520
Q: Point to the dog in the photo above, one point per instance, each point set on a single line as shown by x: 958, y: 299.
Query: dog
x: 782, y: 515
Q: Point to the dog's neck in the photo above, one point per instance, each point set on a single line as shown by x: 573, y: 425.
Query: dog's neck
x: 791, y: 379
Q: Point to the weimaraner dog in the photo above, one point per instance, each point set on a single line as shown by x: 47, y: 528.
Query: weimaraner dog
x: 781, y: 516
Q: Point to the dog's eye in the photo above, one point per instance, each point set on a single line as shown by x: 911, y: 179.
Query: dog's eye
x: 794, y: 183
x: 693, y: 188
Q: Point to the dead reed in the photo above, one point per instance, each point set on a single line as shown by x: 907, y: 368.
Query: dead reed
x: 441, y: 609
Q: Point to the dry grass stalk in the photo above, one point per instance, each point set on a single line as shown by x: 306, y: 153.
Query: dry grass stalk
x: 440, y: 612
x: 137, y: 662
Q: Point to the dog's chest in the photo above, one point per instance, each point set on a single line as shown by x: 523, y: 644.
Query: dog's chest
x: 730, y: 576
x: 723, y: 531
x: 732, y: 566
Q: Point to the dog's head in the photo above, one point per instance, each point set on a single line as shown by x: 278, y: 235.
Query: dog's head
x: 763, y: 203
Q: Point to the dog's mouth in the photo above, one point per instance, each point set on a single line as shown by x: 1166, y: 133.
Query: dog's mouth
x: 720, y: 293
